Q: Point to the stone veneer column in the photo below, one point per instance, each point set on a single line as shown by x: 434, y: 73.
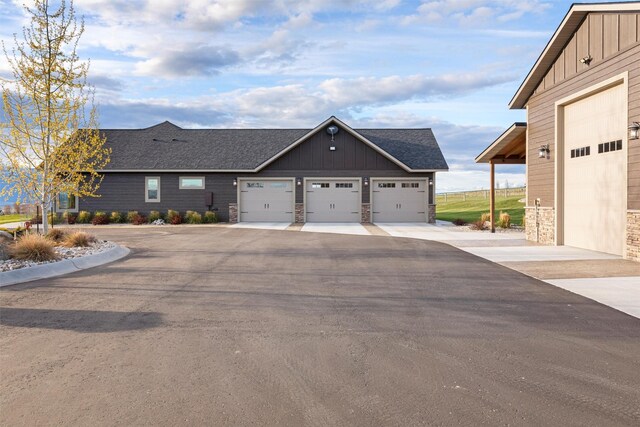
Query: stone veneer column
x: 233, y: 213
x: 431, y: 214
x: 542, y: 228
x: 299, y: 213
x: 633, y: 235
x: 365, y: 217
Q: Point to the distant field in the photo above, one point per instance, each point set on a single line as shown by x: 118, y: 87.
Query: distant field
x: 12, y: 218
x: 471, y: 208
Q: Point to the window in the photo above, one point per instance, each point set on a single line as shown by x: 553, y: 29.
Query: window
x: 344, y: 184
x: 410, y: 185
x: 67, y: 202
x: 320, y: 185
x: 386, y: 185
x: 580, y: 152
x: 255, y: 185
x: 278, y: 185
x: 152, y: 189
x: 191, y: 183
x: 605, y: 147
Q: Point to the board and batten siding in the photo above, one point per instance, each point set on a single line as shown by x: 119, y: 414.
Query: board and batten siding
x: 541, y: 118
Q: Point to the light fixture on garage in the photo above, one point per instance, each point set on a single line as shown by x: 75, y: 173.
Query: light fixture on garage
x: 332, y: 148
x: 430, y: 181
x: 586, y: 60
x: 365, y: 181
x: 543, y: 151
x: 634, y: 131
x: 298, y: 181
x: 332, y: 130
x: 235, y: 182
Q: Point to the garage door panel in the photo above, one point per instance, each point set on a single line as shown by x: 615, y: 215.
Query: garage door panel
x: 333, y: 200
x: 266, y: 201
x: 399, y: 201
x: 595, y: 175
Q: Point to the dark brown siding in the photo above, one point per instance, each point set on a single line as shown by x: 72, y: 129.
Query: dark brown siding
x: 601, y: 36
x: 350, y: 153
x: 541, y: 123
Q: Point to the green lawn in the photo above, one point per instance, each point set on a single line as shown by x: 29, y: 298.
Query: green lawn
x: 12, y: 218
x: 471, y: 209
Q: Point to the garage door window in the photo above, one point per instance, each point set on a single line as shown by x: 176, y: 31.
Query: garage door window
x: 580, y: 152
x: 320, y: 185
x: 386, y: 185
x: 344, y: 184
x: 410, y: 185
x: 605, y: 147
x: 255, y: 185
x: 278, y: 185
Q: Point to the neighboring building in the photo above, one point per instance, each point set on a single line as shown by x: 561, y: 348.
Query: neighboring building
x: 580, y: 143
x: 328, y: 174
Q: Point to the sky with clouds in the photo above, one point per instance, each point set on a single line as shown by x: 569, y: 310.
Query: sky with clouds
x: 451, y: 65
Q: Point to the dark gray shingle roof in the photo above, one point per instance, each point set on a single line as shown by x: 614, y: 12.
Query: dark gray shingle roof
x: 166, y: 147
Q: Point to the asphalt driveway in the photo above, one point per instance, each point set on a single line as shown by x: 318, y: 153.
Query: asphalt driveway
x: 239, y: 326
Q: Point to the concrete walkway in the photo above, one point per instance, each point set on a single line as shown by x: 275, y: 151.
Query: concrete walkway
x: 336, y: 227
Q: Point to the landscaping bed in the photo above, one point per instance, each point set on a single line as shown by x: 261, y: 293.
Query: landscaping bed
x: 62, y: 252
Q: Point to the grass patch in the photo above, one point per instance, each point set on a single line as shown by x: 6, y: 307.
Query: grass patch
x: 13, y: 218
x: 471, y: 209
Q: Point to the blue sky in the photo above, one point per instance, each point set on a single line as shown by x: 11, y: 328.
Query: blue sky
x: 452, y: 65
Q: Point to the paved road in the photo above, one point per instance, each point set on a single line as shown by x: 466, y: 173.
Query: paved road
x: 232, y: 326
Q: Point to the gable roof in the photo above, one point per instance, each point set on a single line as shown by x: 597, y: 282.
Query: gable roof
x: 510, y: 147
x: 167, y: 147
x: 560, y: 38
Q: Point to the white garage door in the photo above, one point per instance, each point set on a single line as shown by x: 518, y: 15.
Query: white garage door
x: 266, y: 200
x: 399, y: 201
x: 595, y: 172
x: 333, y: 200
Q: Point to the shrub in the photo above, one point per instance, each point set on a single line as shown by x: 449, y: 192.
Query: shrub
x: 505, y: 220
x: 33, y: 247
x: 154, y: 215
x: 131, y: 215
x: 69, y: 217
x: 100, y: 218
x: 459, y: 222
x: 116, y: 217
x: 53, y: 218
x: 56, y: 235
x: 174, y: 217
x: 191, y: 217
x: 486, y: 217
x: 138, y: 219
x: 480, y: 224
x: 210, y: 217
x: 84, y: 217
x: 78, y: 239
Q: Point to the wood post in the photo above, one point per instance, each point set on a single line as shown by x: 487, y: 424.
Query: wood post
x: 492, y: 197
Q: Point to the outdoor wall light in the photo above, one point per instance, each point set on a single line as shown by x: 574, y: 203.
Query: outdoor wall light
x: 332, y: 148
x: 544, y: 151
x: 586, y: 60
x: 298, y: 181
x: 634, y: 131
x: 235, y: 182
x: 365, y: 181
x: 430, y: 181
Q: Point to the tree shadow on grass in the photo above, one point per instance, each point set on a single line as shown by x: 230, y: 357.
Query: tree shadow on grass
x: 90, y: 321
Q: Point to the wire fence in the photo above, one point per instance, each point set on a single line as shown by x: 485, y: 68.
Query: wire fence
x: 480, y: 194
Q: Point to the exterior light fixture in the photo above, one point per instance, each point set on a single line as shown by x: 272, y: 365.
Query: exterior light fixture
x: 235, y: 182
x: 586, y: 60
x: 431, y: 181
x: 298, y: 181
x: 365, y: 181
x: 543, y: 151
x: 634, y: 131
x: 332, y: 148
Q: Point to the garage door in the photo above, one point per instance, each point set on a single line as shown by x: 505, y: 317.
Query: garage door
x: 399, y: 201
x: 595, y: 170
x: 333, y: 200
x: 266, y: 200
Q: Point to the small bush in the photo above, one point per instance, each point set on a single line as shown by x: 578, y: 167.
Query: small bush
x: 131, y: 215
x: 486, y: 217
x: 191, y: 217
x: 84, y: 217
x: 479, y: 225
x: 174, y: 217
x: 505, y: 220
x: 154, y: 215
x: 210, y: 217
x: 100, y: 218
x: 53, y: 218
x: 138, y: 219
x: 69, y: 217
x: 56, y: 235
x: 459, y: 222
x: 116, y: 217
x: 78, y: 239
x: 33, y: 247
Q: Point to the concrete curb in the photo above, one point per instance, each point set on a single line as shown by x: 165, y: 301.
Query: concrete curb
x: 46, y: 271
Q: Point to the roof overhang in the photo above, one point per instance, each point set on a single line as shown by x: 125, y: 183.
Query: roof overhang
x: 509, y: 148
x: 561, y: 37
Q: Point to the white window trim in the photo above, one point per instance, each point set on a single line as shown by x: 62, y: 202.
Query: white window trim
x: 180, y: 178
x: 146, y: 189
x: 61, y: 210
